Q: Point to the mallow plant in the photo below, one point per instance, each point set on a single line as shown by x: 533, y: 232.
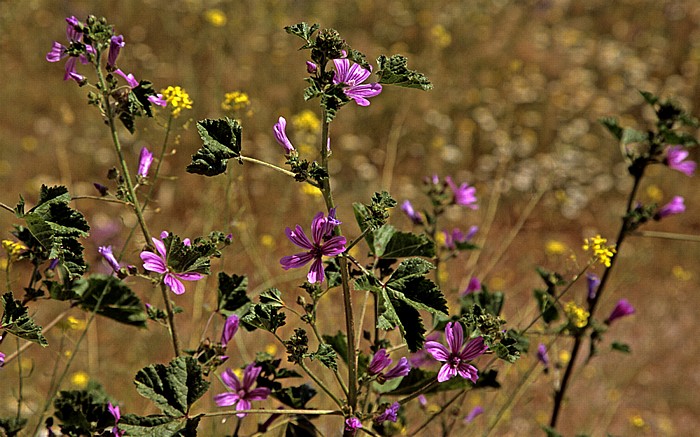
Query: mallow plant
x: 423, y: 343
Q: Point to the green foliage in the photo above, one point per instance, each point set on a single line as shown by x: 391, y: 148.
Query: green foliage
x: 12, y: 426
x: 133, y: 103
x: 418, y: 378
x: 193, y: 258
x: 547, y: 306
x: 266, y: 314
x: 550, y: 432
x: 296, y: 396
x: 375, y: 214
x: 326, y: 355
x: 406, y: 292
x: 110, y: 297
x: 393, y: 71
x: 621, y: 347
x: 297, y: 346
x: 158, y: 426
x: 511, y: 346
x: 83, y: 412
x: 173, y: 388
x: 16, y: 321
x: 57, y: 227
x: 303, y: 31
x: 339, y: 343
x: 222, y: 141
x: 491, y: 302
x: 232, y: 298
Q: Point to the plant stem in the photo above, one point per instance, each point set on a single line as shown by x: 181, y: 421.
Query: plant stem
x: 171, y: 319
x: 268, y: 165
x: 624, y: 229
x: 321, y: 384
x: 265, y: 411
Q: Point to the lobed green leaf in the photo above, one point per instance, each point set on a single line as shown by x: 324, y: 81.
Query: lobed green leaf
x: 222, y: 141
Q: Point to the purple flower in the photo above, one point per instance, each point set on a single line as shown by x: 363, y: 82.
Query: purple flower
x: 280, y: 130
x: 59, y: 51
x: 381, y: 361
x: 71, y: 72
x: 54, y: 262
x: 158, y: 99
x: 415, y: 217
x: 389, y: 414
x: 464, y: 194
x: 230, y: 329
x: 352, y: 424
x: 457, y: 236
x: 145, y: 161
x: 422, y: 357
x: 623, y: 308
x: 593, y: 283
x: 159, y: 263
x: 106, y: 252
x: 473, y: 413
x: 474, y: 285
x: 130, y: 79
x: 2, y: 359
x: 242, y: 393
x: 72, y: 33
x: 542, y: 355
x: 311, y: 67
x: 115, y: 45
x: 675, y: 206
x: 323, y: 245
x: 352, y: 77
x: 675, y: 159
x: 114, y: 411
x: 422, y: 400
x: 455, y: 359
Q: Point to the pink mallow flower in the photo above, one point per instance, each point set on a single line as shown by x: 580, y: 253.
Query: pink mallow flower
x: 675, y: 206
x: 454, y: 356
x: 381, y: 361
x: 542, y: 355
x: 412, y: 214
x: 457, y: 236
x: 323, y: 245
x: 114, y: 411
x: 389, y: 414
x: 352, y: 77
x: 473, y: 413
x: 352, y: 424
x: 464, y: 195
x: 116, y: 43
x: 2, y: 359
x: 622, y: 309
x: 242, y: 391
x: 145, y: 161
x: 156, y: 99
x: 675, y: 159
x: 474, y: 285
x: 106, y: 252
x: 158, y: 262
x: 230, y: 329
x: 280, y: 131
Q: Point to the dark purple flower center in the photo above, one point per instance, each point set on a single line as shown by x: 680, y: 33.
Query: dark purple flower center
x: 455, y: 361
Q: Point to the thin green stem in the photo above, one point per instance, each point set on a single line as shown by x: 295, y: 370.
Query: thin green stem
x: 7, y: 208
x: 321, y: 384
x: 19, y: 383
x: 268, y: 165
x: 265, y: 411
x: 319, y: 338
x: 171, y: 319
x: 443, y: 408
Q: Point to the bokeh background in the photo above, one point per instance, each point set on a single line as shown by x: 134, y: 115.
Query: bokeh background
x: 518, y: 87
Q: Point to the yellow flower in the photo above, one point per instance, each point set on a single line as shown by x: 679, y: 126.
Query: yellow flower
x: 271, y: 349
x: 555, y: 247
x: 310, y: 190
x: 637, y: 421
x: 601, y: 251
x: 13, y: 249
x: 235, y: 101
x: 76, y: 324
x: 654, y: 193
x: 564, y: 357
x: 80, y: 379
x: 215, y: 17
x: 681, y: 274
x: 307, y: 121
x: 267, y: 240
x: 441, y: 35
x: 576, y: 314
x: 177, y: 98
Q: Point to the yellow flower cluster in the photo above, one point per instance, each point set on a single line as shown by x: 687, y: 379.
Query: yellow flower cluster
x: 576, y: 314
x: 601, y: 251
x: 307, y: 121
x: 13, y: 249
x: 215, y: 17
x: 235, y: 101
x: 178, y: 98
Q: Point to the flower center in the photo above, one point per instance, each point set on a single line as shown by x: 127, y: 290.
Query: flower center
x: 455, y: 361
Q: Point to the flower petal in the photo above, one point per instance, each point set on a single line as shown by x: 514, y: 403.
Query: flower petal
x: 243, y: 404
x: 258, y: 394
x: 296, y: 260
x: 446, y: 372
x: 316, y: 273
x: 437, y: 350
x: 334, y: 246
x: 231, y: 380
x: 474, y: 348
x: 226, y: 399
x: 298, y: 237
x: 160, y: 247
x: 171, y: 281
x: 189, y: 276
x: 250, y: 374
x: 153, y: 262
x: 455, y: 336
x: 318, y: 228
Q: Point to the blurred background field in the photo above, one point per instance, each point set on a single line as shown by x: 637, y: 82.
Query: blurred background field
x: 518, y: 87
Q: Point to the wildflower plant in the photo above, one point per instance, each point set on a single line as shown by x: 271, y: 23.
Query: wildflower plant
x: 364, y: 378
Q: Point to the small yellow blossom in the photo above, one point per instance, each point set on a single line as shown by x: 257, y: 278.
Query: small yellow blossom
x: 443, y: 275
x: 555, y: 247
x: 681, y: 274
x: 564, y: 357
x: 80, y: 379
x: 310, y: 190
x: 215, y: 17
x: 267, y: 240
x: 178, y: 98
x: 235, y: 101
x: 307, y: 121
x: 433, y: 408
x: 601, y: 251
x: 654, y: 193
x: 76, y: 324
x: 441, y: 35
x: 577, y: 315
x: 238, y: 373
x: 637, y: 421
x: 13, y: 249
x: 271, y: 349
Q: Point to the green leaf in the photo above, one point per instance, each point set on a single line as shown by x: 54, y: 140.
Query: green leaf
x: 83, y: 412
x: 195, y: 257
x: 630, y: 135
x: 297, y: 346
x: 512, y: 346
x: 303, y: 31
x: 547, y: 305
x: 612, y: 126
x: 405, y: 244
x: 222, y: 141
x: 332, y: 99
x: 150, y: 426
x: 266, y: 314
x: 57, y: 227
x: 393, y: 71
x: 110, y: 297
x: 173, y: 388
x: 295, y: 397
x: 650, y: 98
x: 232, y: 296
x: 491, y: 302
x: 550, y: 432
x: 16, y: 321
x: 339, y: 343
x: 621, y: 347
x: 12, y: 426
x: 326, y: 355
